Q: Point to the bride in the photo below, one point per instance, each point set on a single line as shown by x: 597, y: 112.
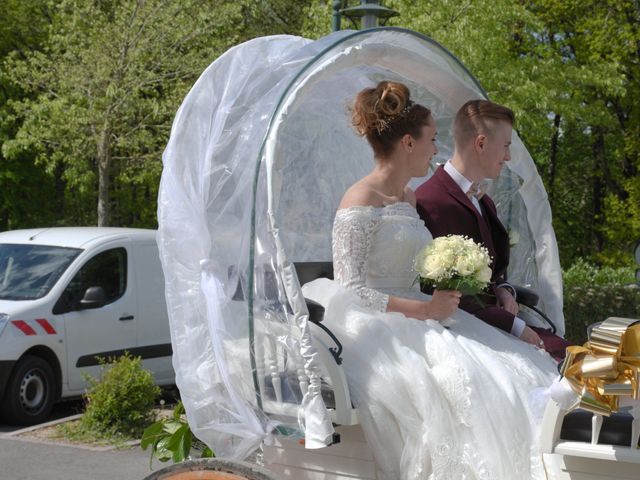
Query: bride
x: 442, y: 395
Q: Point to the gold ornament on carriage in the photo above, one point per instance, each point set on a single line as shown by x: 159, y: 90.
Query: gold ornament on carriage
x: 607, y: 366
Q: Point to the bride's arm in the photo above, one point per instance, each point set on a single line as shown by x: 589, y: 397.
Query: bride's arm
x: 442, y: 305
x: 352, y: 232
x: 352, y: 229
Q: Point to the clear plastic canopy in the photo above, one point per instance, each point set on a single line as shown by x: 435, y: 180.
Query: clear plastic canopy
x: 260, y: 154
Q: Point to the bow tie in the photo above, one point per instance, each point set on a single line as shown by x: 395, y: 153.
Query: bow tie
x: 477, y: 189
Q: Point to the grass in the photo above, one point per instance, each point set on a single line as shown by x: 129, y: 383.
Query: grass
x: 74, y: 432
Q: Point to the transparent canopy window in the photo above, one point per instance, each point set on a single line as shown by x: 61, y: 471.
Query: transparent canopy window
x: 260, y: 154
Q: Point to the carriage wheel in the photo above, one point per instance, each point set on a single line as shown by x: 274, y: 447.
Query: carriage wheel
x: 212, y: 469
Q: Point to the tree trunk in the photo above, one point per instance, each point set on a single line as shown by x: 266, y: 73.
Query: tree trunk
x: 599, y: 187
x: 4, y: 219
x: 553, y: 157
x: 60, y: 186
x: 629, y: 169
x: 104, y: 169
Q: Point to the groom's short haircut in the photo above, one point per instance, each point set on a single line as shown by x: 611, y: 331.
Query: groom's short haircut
x: 478, y: 116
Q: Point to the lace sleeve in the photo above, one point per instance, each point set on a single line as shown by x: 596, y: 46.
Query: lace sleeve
x: 352, y: 231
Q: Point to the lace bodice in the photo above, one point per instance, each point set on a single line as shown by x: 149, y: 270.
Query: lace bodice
x: 374, y: 249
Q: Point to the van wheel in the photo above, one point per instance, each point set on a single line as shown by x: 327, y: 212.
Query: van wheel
x: 29, y: 396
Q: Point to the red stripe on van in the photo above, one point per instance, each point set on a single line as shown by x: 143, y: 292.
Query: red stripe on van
x: 24, y: 326
x: 44, y: 323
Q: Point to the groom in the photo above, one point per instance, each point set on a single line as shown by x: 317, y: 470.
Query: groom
x: 452, y: 202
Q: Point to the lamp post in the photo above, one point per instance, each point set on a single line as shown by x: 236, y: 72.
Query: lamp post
x: 335, y: 17
x: 370, y: 12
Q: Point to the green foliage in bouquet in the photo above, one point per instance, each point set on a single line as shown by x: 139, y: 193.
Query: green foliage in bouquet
x: 466, y: 285
x: 454, y: 262
x: 171, y: 438
x: 592, y: 294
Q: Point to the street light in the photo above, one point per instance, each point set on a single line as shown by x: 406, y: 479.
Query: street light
x: 370, y: 12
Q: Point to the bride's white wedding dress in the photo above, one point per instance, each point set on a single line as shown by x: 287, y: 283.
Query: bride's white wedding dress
x: 437, y: 400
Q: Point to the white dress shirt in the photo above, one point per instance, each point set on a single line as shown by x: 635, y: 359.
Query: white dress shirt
x: 465, y: 184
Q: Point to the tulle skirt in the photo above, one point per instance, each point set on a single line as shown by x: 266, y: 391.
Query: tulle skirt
x: 439, y: 400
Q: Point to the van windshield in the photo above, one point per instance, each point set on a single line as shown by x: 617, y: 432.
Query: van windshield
x: 28, y: 272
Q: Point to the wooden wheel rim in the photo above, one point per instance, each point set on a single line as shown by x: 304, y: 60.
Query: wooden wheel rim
x: 204, y: 475
x: 212, y: 469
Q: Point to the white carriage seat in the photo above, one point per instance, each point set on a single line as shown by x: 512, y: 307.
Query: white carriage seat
x: 281, y: 375
x: 349, y: 457
x: 329, y: 348
x: 580, y: 445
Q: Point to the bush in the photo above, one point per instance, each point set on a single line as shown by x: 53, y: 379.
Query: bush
x: 585, y: 274
x: 592, y: 294
x: 122, y: 401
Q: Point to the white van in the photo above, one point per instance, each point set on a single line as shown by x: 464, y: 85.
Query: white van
x: 69, y: 296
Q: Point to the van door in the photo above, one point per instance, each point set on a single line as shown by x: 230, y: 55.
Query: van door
x: 105, y: 331
x: 154, y: 338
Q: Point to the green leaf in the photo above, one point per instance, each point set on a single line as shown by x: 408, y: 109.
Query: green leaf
x: 161, y: 450
x: 207, y: 453
x: 178, y: 410
x: 172, y: 426
x: 151, y: 434
x: 177, y: 442
x: 186, y: 443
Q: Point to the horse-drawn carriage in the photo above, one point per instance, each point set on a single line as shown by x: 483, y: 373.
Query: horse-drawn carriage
x: 259, y: 157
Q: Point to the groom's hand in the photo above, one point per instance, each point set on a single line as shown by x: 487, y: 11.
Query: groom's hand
x: 506, y: 300
x: 530, y: 336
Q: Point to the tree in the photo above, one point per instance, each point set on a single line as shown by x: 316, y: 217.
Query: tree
x: 597, y: 36
x: 569, y: 69
x: 104, y: 90
x: 29, y: 196
x: 88, y: 90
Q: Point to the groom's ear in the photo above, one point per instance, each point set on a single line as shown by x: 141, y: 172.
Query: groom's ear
x: 480, y: 142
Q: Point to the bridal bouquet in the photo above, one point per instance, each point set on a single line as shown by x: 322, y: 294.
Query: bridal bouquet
x: 454, y: 262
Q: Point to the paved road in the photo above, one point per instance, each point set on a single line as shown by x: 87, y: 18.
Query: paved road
x: 24, y: 460
x: 60, y: 410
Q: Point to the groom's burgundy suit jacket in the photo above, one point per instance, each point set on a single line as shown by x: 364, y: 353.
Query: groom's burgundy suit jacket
x: 446, y: 210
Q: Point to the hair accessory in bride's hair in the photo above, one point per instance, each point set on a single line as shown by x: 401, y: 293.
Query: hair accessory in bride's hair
x: 386, y: 123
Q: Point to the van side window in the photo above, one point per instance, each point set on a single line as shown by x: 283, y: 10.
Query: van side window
x: 107, y: 269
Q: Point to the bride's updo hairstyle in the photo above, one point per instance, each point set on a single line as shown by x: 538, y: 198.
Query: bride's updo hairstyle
x: 385, y: 114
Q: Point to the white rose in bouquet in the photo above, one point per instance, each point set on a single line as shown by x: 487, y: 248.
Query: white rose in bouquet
x: 454, y: 262
x: 484, y: 275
